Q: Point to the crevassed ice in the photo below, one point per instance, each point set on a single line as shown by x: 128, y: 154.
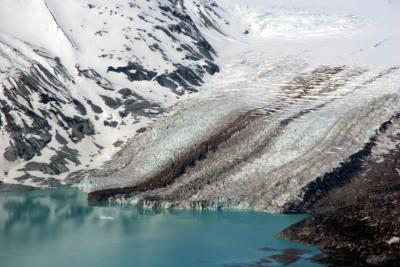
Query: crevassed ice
x: 299, y: 23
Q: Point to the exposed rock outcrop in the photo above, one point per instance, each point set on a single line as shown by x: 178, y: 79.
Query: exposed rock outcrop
x: 358, y: 222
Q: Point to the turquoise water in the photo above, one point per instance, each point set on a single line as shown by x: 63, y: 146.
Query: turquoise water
x: 57, y: 228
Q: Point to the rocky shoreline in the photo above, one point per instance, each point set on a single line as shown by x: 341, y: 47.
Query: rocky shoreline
x: 358, y: 223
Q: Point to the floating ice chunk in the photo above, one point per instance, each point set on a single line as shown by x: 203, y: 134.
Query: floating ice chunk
x: 106, y: 218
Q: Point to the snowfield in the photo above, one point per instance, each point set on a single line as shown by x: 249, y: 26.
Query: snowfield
x: 284, y: 93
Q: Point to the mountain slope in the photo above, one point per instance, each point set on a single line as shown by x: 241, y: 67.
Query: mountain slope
x: 74, y: 88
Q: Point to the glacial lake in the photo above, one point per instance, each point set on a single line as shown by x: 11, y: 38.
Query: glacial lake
x: 58, y: 228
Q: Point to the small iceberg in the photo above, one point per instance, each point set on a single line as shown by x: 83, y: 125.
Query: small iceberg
x: 106, y: 217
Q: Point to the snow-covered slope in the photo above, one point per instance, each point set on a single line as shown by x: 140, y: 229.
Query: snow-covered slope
x: 78, y: 78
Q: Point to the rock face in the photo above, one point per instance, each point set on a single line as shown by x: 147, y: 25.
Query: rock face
x: 358, y: 222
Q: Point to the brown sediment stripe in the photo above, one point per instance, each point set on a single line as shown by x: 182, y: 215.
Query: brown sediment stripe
x: 168, y: 175
x: 308, y: 81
